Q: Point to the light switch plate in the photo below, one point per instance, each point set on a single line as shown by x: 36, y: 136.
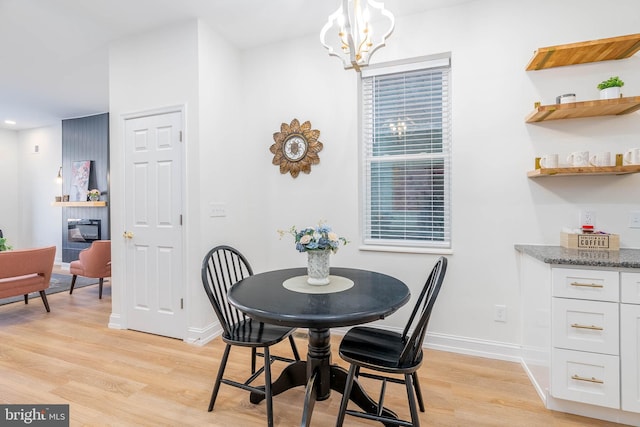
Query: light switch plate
x: 217, y: 210
x: 634, y: 219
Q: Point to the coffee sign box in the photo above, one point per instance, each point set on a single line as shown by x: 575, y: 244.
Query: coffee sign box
x: 606, y: 242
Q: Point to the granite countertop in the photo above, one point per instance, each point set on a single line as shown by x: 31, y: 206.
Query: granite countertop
x: 624, y: 258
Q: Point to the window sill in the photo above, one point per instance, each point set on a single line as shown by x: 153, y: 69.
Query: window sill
x: 410, y: 250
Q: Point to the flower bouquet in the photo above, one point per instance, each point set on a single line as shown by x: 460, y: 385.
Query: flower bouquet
x: 318, y: 238
x: 319, y: 242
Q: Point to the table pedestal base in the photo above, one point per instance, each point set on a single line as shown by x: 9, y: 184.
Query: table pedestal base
x: 320, y: 377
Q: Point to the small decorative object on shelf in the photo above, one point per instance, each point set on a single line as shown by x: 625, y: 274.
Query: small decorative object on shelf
x: 610, y: 89
x: 93, y: 195
x: 65, y: 198
x: 566, y: 98
x: 319, y: 242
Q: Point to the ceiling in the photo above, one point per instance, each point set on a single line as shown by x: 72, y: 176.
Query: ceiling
x: 54, y: 54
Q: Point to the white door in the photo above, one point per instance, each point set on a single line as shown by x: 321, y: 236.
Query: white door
x: 153, y: 288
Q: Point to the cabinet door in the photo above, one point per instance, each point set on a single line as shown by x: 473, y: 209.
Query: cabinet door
x: 586, y: 377
x: 585, y: 325
x: 630, y: 287
x: 630, y: 356
x: 585, y: 284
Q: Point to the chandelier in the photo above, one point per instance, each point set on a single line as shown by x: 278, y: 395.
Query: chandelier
x: 349, y: 33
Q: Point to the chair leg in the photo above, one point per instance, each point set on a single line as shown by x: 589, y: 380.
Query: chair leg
x: 44, y: 300
x: 100, y: 288
x: 216, y: 387
x: 415, y: 421
x: 73, y: 283
x: 345, y: 396
x: 26, y: 298
x: 296, y: 355
x: 267, y: 386
x: 416, y: 385
x: 253, y: 360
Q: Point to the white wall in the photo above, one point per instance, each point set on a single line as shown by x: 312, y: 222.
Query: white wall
x: 40, y: 223
x: 239, y: 100
x: 494, y: 204
x: 28, y: 186
x: 9, y: 208
x: 223, y: 161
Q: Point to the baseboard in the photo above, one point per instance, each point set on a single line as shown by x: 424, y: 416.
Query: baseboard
x: 474, y: 347
x: 115, y: 321
x: 201, y: 336
x: 463, y: 345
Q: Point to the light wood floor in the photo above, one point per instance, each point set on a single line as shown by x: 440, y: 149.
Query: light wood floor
x: 127, y: 378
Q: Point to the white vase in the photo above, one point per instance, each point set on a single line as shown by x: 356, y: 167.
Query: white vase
x: 318, y: 267
x: 610, y: 93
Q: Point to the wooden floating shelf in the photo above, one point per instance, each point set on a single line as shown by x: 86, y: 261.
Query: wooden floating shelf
x: 584, y: 52
x: 80, y: 204
x: 570, y: 171
x: 575, y: 110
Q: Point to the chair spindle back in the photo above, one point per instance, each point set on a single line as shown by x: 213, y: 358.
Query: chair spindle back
x: 423, y: 307
x: 222, y: 267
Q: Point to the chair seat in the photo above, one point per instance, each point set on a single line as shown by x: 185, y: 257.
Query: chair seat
x: 249, y: 333
x: 377, y: 349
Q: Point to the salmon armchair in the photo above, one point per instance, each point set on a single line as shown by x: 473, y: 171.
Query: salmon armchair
x: 94, y: 262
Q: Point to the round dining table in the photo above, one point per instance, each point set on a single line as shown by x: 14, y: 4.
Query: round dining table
x: 352, y: 297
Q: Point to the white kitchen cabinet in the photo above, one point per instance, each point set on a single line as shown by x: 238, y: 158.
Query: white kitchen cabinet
x: 581, y: 330
x: 585, y: 325
x: 630, y: 344
x: 585, y: 335
x: 585, y: 377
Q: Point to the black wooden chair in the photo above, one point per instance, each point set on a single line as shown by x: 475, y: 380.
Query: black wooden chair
x: 392, y: 353
x: 222, y: 267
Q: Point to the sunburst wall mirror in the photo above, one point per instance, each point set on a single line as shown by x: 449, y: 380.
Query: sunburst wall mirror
x: 296, y: 148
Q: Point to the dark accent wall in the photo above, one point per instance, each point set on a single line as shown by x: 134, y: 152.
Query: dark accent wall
x: 85, y: 138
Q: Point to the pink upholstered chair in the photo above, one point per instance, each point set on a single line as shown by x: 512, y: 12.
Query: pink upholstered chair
x: 95, y: 262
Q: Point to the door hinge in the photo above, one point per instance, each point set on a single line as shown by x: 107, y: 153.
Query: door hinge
x: 180, y: 219
x: 181, y: 303
x: 180, y: 136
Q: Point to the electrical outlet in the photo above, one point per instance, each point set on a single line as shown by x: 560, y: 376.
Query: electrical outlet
x: 634, y: 219
x: 500, y: 314
x: 587, y: 218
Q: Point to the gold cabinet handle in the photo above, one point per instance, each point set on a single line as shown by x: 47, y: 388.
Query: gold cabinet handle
x: 590, y: 380
x: 587, y: 285
x: 127, y: 235
x: 592, y: 327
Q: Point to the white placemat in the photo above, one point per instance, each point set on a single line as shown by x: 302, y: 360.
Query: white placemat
x: 336, y: 284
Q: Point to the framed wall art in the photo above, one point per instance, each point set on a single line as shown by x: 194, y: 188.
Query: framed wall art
x: 80, y: 171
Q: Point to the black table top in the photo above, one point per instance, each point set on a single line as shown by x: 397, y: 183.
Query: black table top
x: 373, y: 296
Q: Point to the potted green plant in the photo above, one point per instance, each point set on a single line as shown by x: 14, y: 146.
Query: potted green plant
x: 610, y: 89
x: 4, y: 246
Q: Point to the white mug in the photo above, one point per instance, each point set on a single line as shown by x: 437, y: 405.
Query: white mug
x: 578, y: 158
x: 549, y: 161
x: 632, y: 157
x: 601, y: 159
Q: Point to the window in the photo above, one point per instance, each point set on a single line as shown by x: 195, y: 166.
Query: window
x: 406, y: 135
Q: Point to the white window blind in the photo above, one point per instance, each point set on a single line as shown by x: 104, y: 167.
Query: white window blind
x: 406, y: 155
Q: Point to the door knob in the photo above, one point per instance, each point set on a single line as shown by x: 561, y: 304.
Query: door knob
x: 127, y: 235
